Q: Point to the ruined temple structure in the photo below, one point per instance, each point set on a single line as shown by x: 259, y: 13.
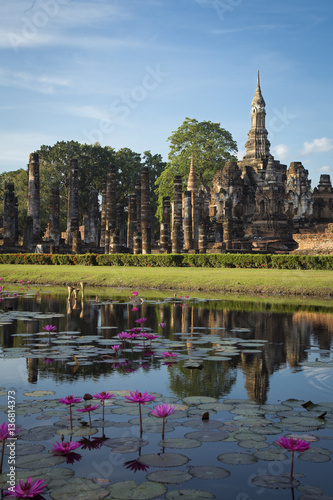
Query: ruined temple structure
x: 254, y: 205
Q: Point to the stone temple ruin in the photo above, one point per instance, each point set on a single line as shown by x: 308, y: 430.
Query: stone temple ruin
x: 254, y: 205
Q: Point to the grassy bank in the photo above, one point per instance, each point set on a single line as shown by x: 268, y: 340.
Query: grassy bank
x: 240, y: 281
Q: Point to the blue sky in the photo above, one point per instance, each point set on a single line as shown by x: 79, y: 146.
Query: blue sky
x: 126, y: 73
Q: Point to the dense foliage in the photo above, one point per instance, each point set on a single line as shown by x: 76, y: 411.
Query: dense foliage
x: 209, y: 144
x: 94, y: 161
x: 250, y: 261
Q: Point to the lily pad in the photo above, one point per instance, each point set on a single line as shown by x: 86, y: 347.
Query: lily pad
x: 41, y: 433
x: 237, y: 458
x: 39, y: 394
x: 180, y: 443
x: 169, y: 476
x: 194, y: 400
x: 202, y: 424
x: 209, y: 472
x: 189, y: 495
x: 79, y: 488
x: 129, y: 490
x: 270, y: 454
x: 39, y: 461
x: 164, y: 460
x: 275, y: 482
x: 207, y: 436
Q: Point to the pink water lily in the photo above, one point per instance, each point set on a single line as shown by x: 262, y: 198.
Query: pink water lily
x: 69, y: 400
x: 135, y: 294
x: 142, y: 399
x: 26, y: 490
x: 65, y: 447
x: 102, y: 396
x: 50, y: 328
x: 162, y: 325
x: 161, y: 411
x: 292, y: 444
x: 169, y: 354
x: 140, y: 320
x: 135, y: 308
x: 88, y: 409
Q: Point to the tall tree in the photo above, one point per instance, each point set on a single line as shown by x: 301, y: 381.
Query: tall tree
x: 209, y: 143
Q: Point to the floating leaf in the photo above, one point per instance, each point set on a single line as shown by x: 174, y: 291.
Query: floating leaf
x: 181, y: 443
x: 164, y: 460
x: 189, y: 495
x: 234, y: 458
x: 207, y: 436
x: 39, y: 461
x: 129, y: 490
x: 79, y: 488
x: 39, y: 394
x: 274, y: 482
x: 209, y: 472
x: 169, y: 476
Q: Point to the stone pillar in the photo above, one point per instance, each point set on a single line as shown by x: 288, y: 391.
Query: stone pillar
x: 76, y: 237
x: 197, y: 217
x: 28, y: 240
x: 91, y: 224
x: 202, y: 238
x: 10, y: 216
x: 165, y: 226
x: 176, y: 239
x: 110, y: 213
x: 177, y: 219
x: 34, y: 195
x: 120, y: 223
x: 137, y: 247
x: 227, y: 226
x: 73, y: 198
x: 145, y: 212
x: 131, y: 225
x: 114, y: 240
x: 102, y: 240
x: 138, y: 203
x: 54, y: 217
x: 188, y: 220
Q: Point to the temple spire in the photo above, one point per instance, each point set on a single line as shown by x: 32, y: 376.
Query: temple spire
x: 192, y: 178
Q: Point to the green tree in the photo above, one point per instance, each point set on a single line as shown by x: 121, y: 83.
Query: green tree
x: 211, y: 146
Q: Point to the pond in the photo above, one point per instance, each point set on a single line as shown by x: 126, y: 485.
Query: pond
x: 238, y: 375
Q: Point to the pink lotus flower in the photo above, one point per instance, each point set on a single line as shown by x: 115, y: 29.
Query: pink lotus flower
x: 69, y: 400
x: 140, y: 320
x: 169, y: 354
x: 292, y: 444
x: 135, y: 308
x: 102, y: 396
x: 162, y: 325
x: 88, y: 409
x: 161, y: 411
x: 65, y: 447
x: 115, y: 348
x: 49, y: 328
x: 142, y: 399
x: 26, y: 490
x: 135, y: 294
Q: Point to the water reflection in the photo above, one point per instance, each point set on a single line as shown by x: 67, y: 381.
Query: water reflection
x: 290, y: 338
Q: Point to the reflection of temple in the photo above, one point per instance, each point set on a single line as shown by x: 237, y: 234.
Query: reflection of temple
x: 286, y: 336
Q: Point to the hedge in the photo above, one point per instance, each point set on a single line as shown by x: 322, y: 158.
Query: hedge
x: 258, y: 261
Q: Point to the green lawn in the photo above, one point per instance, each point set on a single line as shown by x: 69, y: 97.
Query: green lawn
x: 272, y: 281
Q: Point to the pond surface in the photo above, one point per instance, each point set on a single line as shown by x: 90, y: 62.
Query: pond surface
x: 258, y: 370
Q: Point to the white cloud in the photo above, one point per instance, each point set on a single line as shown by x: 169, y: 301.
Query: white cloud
x: 45, y: 84
x: 281, y: 151
x: 89, y: 112
x: 321, y: 145
x: 325, y: 169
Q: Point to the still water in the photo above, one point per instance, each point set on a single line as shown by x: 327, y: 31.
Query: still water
x: 251, y: 365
